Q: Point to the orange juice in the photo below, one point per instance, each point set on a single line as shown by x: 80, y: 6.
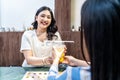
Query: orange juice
x: 59, y: 49
x: 62, y: 57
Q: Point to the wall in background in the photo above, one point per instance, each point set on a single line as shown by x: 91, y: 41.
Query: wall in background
x: 19, y: 13
x: 75, y: 13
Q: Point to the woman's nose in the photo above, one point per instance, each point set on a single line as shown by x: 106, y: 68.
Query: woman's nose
x: 45, y: 18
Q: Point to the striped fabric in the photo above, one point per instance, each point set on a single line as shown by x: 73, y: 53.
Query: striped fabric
x: 71, y: 73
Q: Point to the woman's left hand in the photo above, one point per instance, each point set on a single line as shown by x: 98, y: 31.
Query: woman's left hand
x: 48, y: 60
x: 58, y: 53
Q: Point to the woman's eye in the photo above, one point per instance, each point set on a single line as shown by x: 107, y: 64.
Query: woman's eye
x: 49, y: 17
x: 42, y: 15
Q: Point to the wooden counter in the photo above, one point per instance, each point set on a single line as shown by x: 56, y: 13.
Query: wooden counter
x: 9, y: 49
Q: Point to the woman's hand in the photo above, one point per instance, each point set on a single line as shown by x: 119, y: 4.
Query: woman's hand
x: 70, y: 60
x: 58, y: 53
x: 48, y: 60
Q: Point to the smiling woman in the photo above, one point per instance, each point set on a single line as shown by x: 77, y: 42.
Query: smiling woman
x: 32, y: 44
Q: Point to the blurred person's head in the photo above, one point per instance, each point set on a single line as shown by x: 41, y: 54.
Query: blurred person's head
x: 100, y: 22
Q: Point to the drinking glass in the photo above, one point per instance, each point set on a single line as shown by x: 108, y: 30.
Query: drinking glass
x: 59, y: 47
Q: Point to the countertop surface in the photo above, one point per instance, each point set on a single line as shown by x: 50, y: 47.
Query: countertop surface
x: 17, y: 72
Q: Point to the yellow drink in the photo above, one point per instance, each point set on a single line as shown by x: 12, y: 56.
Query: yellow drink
x: 59, y: 49
x: 62, y: 57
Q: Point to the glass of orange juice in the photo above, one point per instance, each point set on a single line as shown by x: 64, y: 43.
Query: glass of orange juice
x: 59, y: 47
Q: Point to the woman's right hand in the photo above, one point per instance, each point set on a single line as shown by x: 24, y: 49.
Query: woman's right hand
x: 72, y: 61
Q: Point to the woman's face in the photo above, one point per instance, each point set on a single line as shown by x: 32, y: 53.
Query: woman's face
x: 44, y: 19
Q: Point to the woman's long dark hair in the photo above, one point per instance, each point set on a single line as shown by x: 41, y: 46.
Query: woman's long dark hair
x: 52, y: 28
x: 100, y: 20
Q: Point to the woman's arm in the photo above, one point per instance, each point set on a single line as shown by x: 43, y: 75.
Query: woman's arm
x: 35, y: 61
x: 53, y: 72
x: 26, y: 49
x: 70, y: 60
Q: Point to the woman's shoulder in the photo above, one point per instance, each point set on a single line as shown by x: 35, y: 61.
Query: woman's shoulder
x: 29, y: 33
x: 57, y: 33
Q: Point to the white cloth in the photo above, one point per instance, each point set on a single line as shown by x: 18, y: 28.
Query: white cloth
x: 40, y: 49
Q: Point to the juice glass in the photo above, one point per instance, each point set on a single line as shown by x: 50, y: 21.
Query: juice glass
x: 59, y: 47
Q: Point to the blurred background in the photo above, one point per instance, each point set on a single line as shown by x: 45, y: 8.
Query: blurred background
x: 19, y: 14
